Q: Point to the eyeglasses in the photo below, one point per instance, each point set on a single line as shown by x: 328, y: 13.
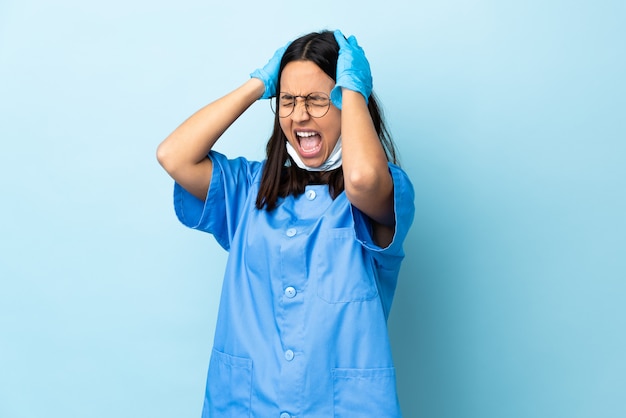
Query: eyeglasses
x: 316, y: 104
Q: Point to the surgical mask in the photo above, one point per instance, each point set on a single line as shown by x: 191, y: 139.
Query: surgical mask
x: 333, y: 161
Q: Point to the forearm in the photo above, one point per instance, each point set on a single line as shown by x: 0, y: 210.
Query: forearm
x: 183, y: 154
x: 368, y: 184
x: 194, y: 138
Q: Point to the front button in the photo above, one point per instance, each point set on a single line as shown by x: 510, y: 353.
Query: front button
x: 291, y: 232
x: 285, y: 415
x: 311, y: 194
x: 290, y: 292
x: 289, y: 355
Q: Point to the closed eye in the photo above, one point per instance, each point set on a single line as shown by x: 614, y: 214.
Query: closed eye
x: 318, y: 102
x: 287, y: 100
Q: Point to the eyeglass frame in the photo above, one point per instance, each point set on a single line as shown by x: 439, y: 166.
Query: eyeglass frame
x: 306, y: 98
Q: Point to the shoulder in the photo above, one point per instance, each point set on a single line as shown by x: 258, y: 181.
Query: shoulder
x: 236, y: 167
x: 400, y: 177
x: 403, y: 197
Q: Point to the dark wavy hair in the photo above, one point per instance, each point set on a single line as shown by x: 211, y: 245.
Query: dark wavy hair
x: 281, y: 176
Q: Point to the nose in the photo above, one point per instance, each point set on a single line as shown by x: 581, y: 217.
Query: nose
x: 300, y: 113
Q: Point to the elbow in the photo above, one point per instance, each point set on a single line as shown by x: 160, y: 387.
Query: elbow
x: 362, y: 182
x: 161, y: 153
x: 164, y: 157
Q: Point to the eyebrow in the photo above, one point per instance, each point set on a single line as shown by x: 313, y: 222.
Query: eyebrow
x: 291, y: 95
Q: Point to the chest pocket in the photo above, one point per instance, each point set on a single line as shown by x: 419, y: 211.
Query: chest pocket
x: 344, y: 273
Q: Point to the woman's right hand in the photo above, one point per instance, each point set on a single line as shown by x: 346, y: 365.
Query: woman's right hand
x: 269, y: 73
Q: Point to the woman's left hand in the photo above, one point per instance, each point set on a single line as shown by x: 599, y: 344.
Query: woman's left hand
x: 353, y: 69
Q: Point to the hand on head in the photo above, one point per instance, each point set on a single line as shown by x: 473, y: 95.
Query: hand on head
x: 269, y: 73
x: 353, y: 69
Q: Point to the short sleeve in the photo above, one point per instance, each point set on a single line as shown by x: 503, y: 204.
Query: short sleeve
x: 228, y: 195
x: 387, y: 260
x: 404, y: 209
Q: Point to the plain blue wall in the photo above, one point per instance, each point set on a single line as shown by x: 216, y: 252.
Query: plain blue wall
x: 510, y: 119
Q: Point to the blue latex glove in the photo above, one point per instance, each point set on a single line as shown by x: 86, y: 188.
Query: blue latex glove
x: 269, y: 74
x: 353, y: 69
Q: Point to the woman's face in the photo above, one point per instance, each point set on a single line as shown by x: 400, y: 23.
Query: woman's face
x: 313, y: 138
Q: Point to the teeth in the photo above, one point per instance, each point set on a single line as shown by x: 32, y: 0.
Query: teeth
x: 305, y: 134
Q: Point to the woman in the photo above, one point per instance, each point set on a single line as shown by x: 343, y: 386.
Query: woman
x: 314, y: 235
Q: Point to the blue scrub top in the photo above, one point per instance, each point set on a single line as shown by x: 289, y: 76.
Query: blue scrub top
x: 302, y: 323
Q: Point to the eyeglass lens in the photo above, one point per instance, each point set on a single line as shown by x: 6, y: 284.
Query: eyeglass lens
x: 316, y: 104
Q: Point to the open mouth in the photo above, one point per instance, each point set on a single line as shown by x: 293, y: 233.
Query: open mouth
x: 310, y: 142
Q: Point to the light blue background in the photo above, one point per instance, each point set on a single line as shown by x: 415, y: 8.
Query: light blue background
x: 510, y: 119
